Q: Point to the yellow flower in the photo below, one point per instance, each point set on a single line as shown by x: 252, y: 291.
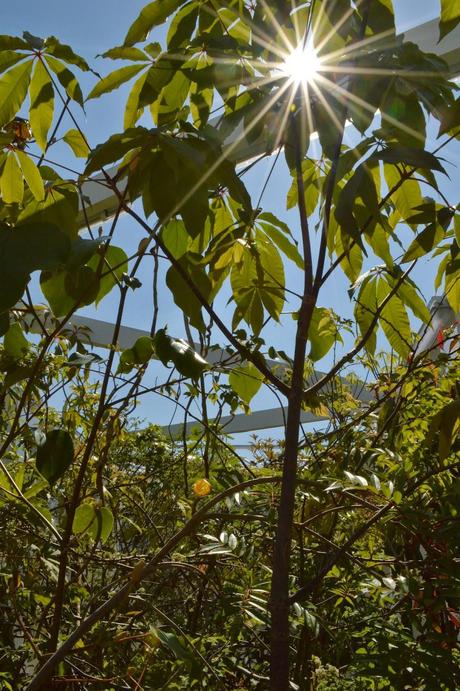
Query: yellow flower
x: 202, y: 487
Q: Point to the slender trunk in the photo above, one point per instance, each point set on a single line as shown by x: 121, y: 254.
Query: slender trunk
x: 279, y: 601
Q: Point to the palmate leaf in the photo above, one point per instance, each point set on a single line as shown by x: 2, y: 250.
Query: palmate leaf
x: 151, y: 15
x: 13, y: 90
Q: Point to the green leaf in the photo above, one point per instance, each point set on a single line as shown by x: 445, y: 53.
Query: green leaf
x: 180, y: 353
x: 424, y: 242
x: 284, y: 244
x: 407, y: 291
x: 151, y: 15
x: 114, y: 80
x: 85, y: 515
x: 394, y: 320
x: 31, y: 175
x: 25, y: 249
x: 447, y: 422
x: 418, y: 158
x: 13, y: 43
x: 9, y: 58
x: 175, y: 238
x: 323, y: 333
x: 450, y: 119
x: 245, y: 381
x: 13, y: 90
x: 59, y: 208
x: 104, y: 524
x: 11, y: 182
x: 125, y: 53
x: 133, y: 109
x: 41, y: 104
x: 77, y: 143
x: 182, y: 26
x: 450, y: 17
x: 452, y: 286
x: 55, y: 456
x: 115, y: 148
x: 65, y: 53
x: 365, y: 310
x: 15, y: 343
x: 183, y: 296
x: 66, y: 78
x: 114, y: 265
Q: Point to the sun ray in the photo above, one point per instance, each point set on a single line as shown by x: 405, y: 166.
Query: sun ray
x: 344, y: 96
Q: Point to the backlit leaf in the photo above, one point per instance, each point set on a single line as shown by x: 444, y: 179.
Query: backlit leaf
x: 41, y: 104
x: 13, y: 90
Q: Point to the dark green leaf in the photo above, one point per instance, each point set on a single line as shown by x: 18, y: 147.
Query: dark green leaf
x: 55, y: 456
x: 418, y: 158
x: 180, y: 353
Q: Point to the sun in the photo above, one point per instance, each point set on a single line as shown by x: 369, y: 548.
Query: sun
x: 302, y: 65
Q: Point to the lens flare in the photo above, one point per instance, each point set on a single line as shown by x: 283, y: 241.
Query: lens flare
x: 302, y: 65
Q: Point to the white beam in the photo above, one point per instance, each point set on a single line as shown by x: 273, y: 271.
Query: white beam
x: 101, y: 204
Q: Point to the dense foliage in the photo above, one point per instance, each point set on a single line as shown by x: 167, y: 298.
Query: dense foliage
x: 329, y: 560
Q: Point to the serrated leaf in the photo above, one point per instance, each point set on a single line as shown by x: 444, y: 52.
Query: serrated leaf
x: 13, y: 90
x: 41, y: 104
x: 31, y: 175
x: 114, y: 80
x: 77, y: 143
x: 55, y: 456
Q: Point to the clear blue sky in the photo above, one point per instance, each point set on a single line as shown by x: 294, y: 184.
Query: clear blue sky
x: 92, y: 27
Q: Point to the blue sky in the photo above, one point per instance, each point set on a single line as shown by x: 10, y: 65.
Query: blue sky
x: 92, y: 27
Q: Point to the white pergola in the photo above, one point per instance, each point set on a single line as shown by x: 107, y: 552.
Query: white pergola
x: 101, y: 205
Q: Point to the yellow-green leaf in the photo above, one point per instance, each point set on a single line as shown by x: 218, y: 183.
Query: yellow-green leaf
x: 11, y: 182
x: 32, y: 175
x: 41, y: 104
x: 114, y: 80
x: 13, y: 90
x: 77, y: 143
